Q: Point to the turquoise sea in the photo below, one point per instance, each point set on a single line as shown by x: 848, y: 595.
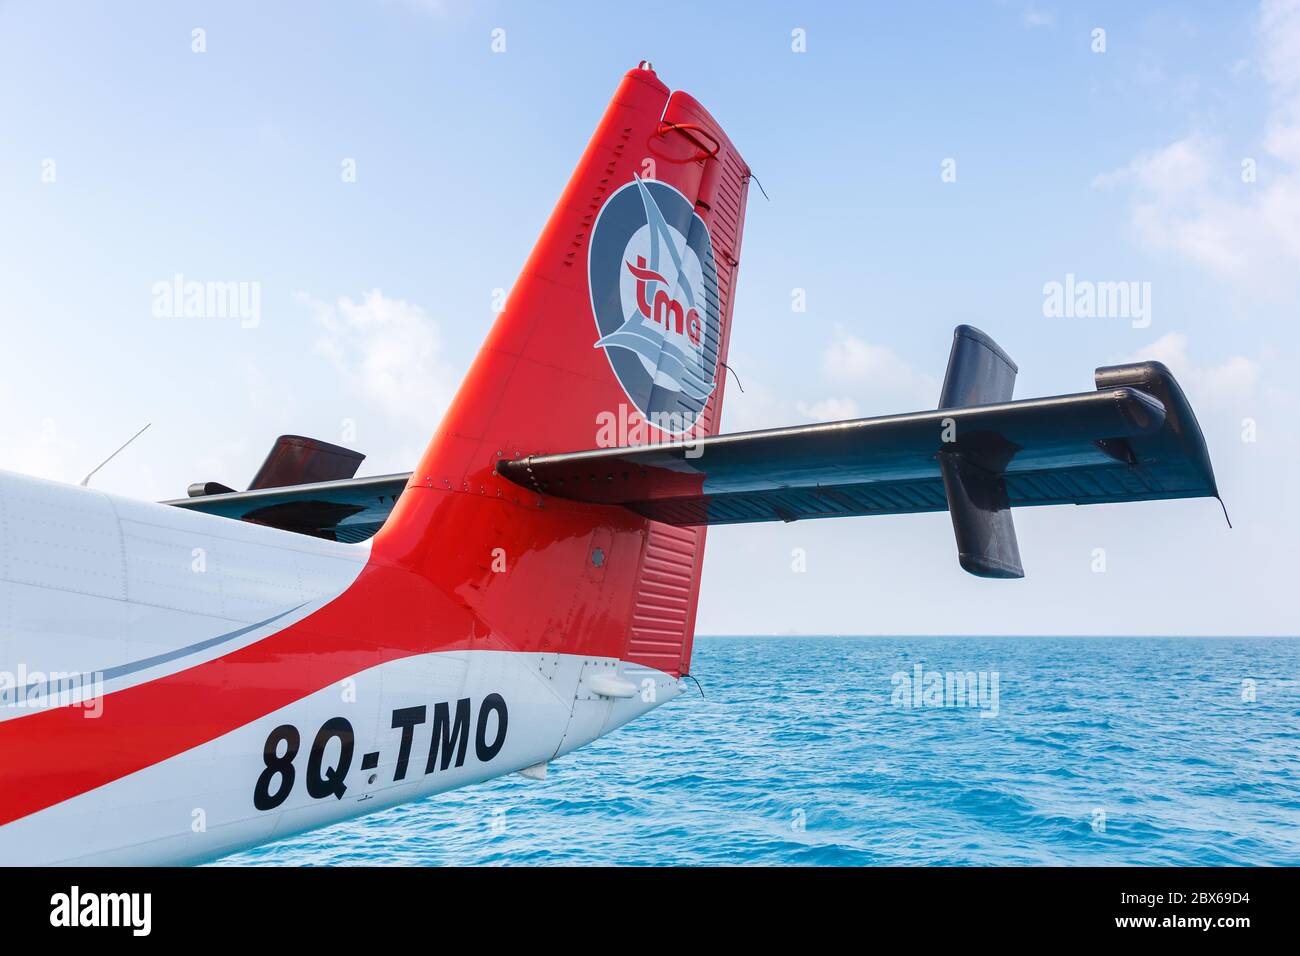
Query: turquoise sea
x: 831, y: 751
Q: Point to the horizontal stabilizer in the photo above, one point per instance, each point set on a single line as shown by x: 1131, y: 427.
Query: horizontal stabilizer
x: 1134, y: 439
x: 350, y: 510
x: 305, y: 485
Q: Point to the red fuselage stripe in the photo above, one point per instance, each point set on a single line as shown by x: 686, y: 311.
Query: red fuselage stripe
x: 53, y: 755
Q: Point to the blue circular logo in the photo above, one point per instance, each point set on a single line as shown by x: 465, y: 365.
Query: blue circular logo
x: 654, y: 293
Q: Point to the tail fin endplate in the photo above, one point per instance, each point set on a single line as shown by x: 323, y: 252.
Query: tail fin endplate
x: 979, y: 373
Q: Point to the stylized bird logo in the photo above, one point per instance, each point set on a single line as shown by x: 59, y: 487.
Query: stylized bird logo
x: 665, y: 328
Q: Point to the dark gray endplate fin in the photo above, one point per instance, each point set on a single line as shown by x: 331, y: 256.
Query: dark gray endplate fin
x: 979, y: 373
x: 298, y: 460
x: 981, y: 518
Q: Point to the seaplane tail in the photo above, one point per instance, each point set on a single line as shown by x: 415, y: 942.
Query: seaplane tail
x: 185, y: 679
x: 187, y: 682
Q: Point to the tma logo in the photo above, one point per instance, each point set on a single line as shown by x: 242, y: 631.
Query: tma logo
x: 654, y: 294
x: 671, y: 314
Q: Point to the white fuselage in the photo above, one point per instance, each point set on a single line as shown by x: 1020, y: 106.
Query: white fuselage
x: 100, y: 593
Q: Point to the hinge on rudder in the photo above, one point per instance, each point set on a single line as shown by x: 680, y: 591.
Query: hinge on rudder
x: 699, y: 137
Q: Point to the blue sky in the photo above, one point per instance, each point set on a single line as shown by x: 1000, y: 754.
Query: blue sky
x: 1122, y: 165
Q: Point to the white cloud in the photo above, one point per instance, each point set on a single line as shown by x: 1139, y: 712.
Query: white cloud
x: 54, y: 459
x: 430, y: 7
x: 1229, y: 384
x: 1279, y: 21
x: 876, y: 376
x: 829, y: 410
x: 1038, y: 18
x: 1178, y: 169
x: 68, y: 455
x: 864, y: 379
x: 389, y: 350
x: 849, y: 359
x: 758, y: 406
x: 1190, y: 197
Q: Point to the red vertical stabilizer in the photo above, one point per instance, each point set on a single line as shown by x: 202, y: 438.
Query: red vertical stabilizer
x: 615, y: 333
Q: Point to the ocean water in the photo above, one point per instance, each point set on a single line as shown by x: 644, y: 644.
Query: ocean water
x: 1104, y: 751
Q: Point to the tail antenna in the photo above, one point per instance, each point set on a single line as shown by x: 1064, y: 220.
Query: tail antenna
x: 86, y: 481
x: 733, y: 375
x: 1225, y: 511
